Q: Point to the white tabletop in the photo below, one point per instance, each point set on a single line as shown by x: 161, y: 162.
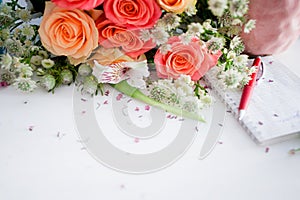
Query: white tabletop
x: 42, y: 157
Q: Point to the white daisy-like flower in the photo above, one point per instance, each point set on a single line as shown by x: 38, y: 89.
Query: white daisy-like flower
x: 240, y: 61
x: 215, y: 44
x: 25, y: 70
x: 186, y: 38
x: 47, y: 63
x: 217, y: 7
x: 238, y: 8
x: 24, y: 84
x: 191, y: 10
x: 159, y: 36
x: 235, y: 42
x: 165, y: 48
x: 36, y: 60
x: 27, y: 31
x: 249, y: 26
x: 171, y: 21
x: 133, y: 72
x: 145, y: 35
x: 195, y: 29
x: 231, y: 78
x: 6, y: 61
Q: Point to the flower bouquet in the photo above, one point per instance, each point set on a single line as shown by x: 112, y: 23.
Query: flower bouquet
x: 117, y: 42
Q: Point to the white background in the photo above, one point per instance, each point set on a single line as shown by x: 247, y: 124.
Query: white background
x: 50, y: 161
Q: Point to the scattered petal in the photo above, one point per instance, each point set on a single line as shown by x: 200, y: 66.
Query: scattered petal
x: 270, y: 81
x: 267, y: 150
x: 83, y: 99
x: 136, y: 109
x: 83, y: 112
x: 105, y: 102
x: 147, y: 107
x: 136, y: 140
x: 275, y: 115
x: 220, y: 142
x: 119, y: 97
x: 260, y: 123
x: 106, y: 93
x: 30, y: 128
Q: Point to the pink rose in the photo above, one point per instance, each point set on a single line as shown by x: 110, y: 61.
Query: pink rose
x: 192, y: 59
x: 112, y: 35
x: 132, y: 14
x: 80, y: 4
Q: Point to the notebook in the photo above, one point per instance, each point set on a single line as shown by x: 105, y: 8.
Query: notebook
x: 273, y: 114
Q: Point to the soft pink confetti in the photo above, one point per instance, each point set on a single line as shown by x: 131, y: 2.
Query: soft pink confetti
x: 129, y: 100
x: 270, y: 81
x: 122, y: 186
x: 260, y: 123
x: 30, y: 128
x: 267, y: 150
x: 119, y: 97
x: 147, y: 107
x: 271, y: 62
x: 106, y: 93
x: 105, y: 102
x: 3, y: 84
x: 136, y: 109
x: 136, y: 140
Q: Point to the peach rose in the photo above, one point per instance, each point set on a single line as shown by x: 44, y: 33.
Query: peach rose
x: 192, y: 59
x: 80, y: 4
x: 112, y: 35
x: 132, y: 14
x: 176, y: 6
x: 70, y: 33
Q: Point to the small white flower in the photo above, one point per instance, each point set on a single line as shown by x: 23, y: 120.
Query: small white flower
x: 6, y: 61
x: 145, y: 35
x: 25, y: 84
x: 191, y: 10
x: 231, y: 78
x: 195, y: 29
x: 24, y: 15
x: 238, y: 8
x: 231, y: 55
x: 27, y: 31
x: 207, y: 26
x: 47, y: 63
x: 236, y: 22
x: 159, y: 36
x: 36, y: 60
x: 25, y: 70
x: 235, y: 42
x: 186, y: 38
x: 165, y: 48
x: 240, y: 61
x: 217, y: 7
x: 249, y: 26
x: 169, y: 21
x: 43, y: 53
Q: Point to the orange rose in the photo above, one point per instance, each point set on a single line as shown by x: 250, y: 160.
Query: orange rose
x: 112, y: 35
x: 132, y: 14
x: 191, y: 59
x: 70, y: 33
x: 176, y: 6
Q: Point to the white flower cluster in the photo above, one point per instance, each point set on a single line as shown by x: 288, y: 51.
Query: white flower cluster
x: 180, y: 93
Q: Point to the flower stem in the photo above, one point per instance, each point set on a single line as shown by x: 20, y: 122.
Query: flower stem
x: 135, y: 93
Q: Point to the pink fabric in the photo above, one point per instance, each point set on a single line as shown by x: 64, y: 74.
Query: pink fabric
x: 277, y: 26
